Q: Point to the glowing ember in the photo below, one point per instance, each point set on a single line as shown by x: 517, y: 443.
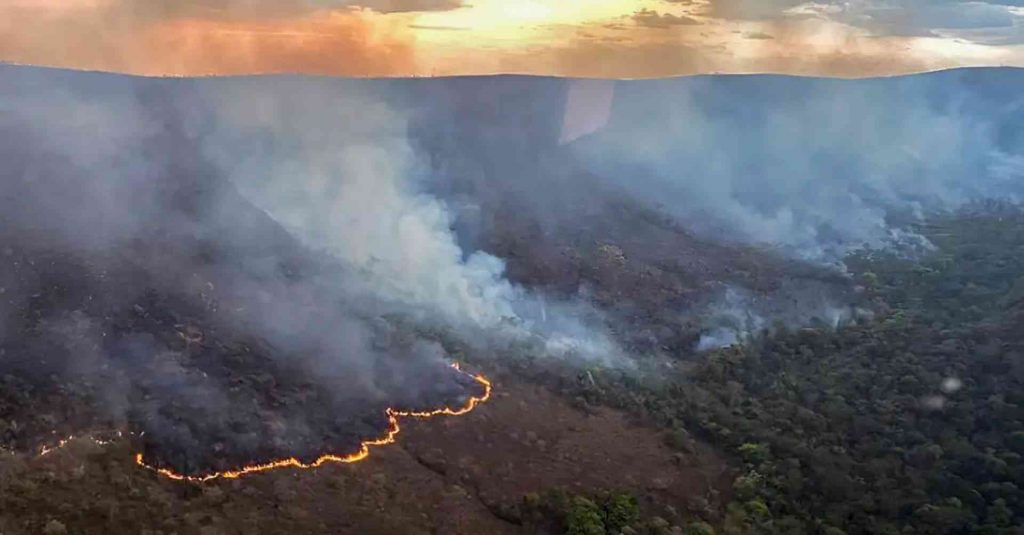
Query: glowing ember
x: 46, y: 450
x: 362, y: 453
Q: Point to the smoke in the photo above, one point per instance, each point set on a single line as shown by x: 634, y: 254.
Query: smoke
x: 730, y: 321
x: 257, y: 267
x: 327, y: 159
x: 815, y: 167
x: 45, y: 129
x: 334, y: 164
x: 244, y: 269
x: 136, y: 273
x: 736, y: 314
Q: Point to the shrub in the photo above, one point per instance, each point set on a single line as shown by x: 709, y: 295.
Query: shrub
x: 621, y: 510
x: 583, y: 518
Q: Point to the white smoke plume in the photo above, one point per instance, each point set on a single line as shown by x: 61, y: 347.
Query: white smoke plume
x: 333, y: 164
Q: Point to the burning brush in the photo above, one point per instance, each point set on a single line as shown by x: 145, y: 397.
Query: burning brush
x: 359, y: 454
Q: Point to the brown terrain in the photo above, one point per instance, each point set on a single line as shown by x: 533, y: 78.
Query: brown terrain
x: 206, y: 252
x: 463, y: 474
x: 446, y: 475
x: 470, y: 474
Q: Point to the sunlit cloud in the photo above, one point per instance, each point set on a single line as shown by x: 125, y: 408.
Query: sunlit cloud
x: 341, y: 42
x: 596, y: 38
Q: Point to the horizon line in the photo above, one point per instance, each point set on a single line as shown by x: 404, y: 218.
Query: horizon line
x: 506, y: 74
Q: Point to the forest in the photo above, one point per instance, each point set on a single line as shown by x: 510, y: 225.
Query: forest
x: 909, y: 422
x: 230, y: 288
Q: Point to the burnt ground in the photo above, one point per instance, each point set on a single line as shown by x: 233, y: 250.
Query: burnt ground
x: 69, y: 359
x: 137, y: 321
x: 206, y: 328
x: 108, y: 347
x: 445, y: 475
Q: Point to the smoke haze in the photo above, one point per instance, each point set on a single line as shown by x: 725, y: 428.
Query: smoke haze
x: 816, y: 167
x: 257, y: 267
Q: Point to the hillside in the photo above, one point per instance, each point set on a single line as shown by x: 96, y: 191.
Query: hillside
x: 750, y: 304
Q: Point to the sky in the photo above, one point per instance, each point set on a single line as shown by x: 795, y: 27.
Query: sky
x: 581, y: 38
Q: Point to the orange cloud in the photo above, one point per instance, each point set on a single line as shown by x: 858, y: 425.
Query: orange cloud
x: 335, y: 44
x: 607, y: 38
x: 340, y: 42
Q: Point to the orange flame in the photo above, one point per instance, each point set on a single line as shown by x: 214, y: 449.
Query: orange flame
x: 362, y: 453
x: 46, y: 450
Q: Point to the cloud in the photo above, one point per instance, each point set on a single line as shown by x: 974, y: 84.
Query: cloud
x: 976, y: 21
x: 882, y: 17
x: 182, y: 43
x: 924, y: 18
x: 163, y: 10
x: 399, y: 37
x: 797, y: 47
x: 401, y: 6
x: 749, y: 9
x: 653, y: 19
x: 438, y: 28
x: 618, y: 60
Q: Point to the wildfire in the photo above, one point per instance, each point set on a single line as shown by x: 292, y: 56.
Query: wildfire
x: 46, y: 450
x: 362, y: 453
x: 359, y: 455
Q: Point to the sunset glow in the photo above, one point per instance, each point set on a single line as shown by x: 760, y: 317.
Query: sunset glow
x: 598, y: 38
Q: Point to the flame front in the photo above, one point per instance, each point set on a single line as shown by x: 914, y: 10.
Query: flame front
x: 362, y: 453
x: 46, y: 450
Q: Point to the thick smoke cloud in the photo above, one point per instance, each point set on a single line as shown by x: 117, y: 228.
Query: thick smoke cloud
x: 214, y: 231
x: 335, y: 165
x: 134, y: 269
x: 327, y: 159
x: 816, y: 167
